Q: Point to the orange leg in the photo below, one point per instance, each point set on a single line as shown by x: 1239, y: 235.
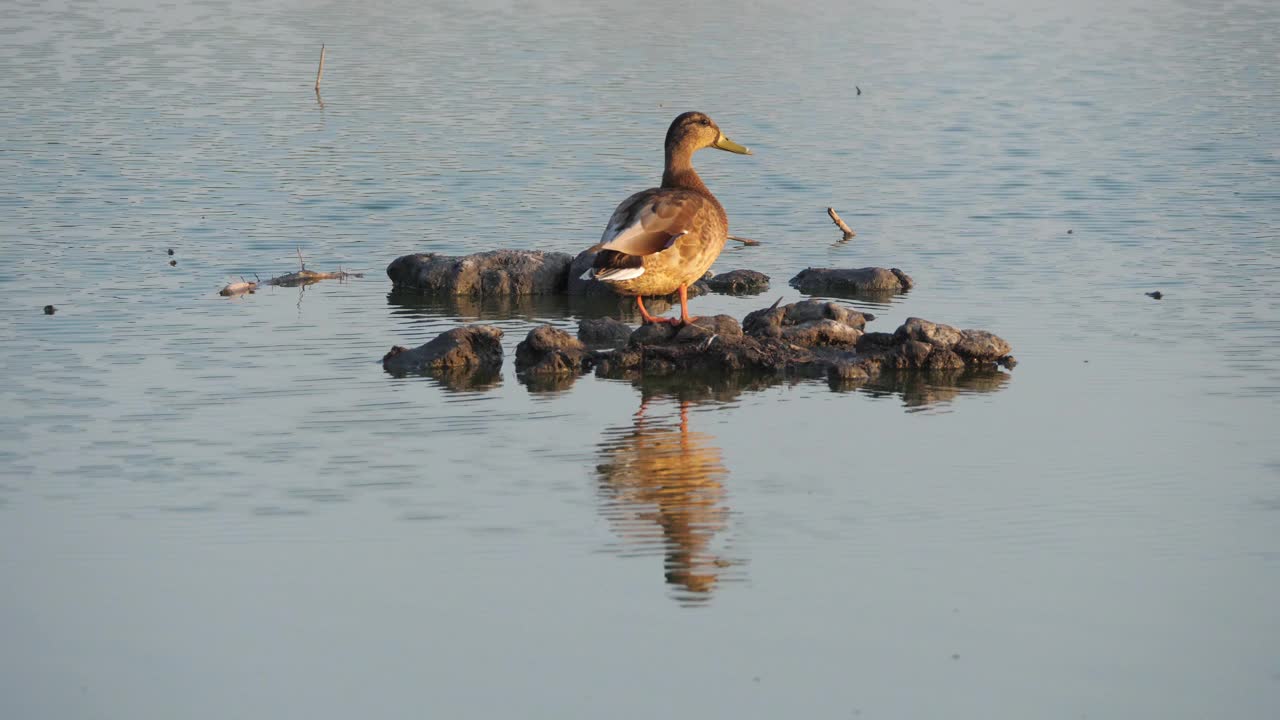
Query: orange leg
x: 685, y: 318
x: 649, y: 319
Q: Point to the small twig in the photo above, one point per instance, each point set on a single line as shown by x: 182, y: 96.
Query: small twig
x: 301, y: 265
x: 320, y: 71
x: 848, y: 233
x: 744, y: 241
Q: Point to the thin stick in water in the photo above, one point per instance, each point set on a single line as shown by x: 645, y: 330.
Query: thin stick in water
x: 744, y: 241
x: 320, y: 71
x: 301, y: 265
x: 848, y: 233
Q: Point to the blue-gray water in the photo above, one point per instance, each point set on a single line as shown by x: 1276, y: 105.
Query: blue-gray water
x: 217, y: 508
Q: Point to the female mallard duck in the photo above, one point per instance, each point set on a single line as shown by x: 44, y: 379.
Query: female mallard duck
x: 661, y: 239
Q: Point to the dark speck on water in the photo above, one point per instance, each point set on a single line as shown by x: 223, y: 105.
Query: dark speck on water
x: 1155, y: 295
x: 49, y: 309
x: 239, y: 481
x: 170, y: 251
x: 173, y: 263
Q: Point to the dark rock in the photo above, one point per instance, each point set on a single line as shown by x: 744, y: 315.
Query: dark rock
x: 924, y: 331
x: 981, y: 345
x: 919, y: 343
x: 492, y: 273
x: 809, y: 323
x: 807, y: 339
x: 700, y: 331
x: 716, y: 354
x: 852, y: 281
x: 604, y: 332
x: 472, y: 347
x: 846, y: 372
x: 49, y: 309
x: 550, y: 351
x: 739, y: 282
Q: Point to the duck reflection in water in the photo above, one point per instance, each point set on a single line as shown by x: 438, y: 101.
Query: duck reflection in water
x: 662, y: 485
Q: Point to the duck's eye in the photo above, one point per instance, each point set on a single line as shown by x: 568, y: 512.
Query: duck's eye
x: 704, y: 121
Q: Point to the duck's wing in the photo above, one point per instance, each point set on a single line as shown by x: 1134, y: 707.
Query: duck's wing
x: 651, y: 221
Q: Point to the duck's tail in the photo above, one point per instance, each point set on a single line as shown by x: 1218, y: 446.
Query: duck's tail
x: 613, y: 266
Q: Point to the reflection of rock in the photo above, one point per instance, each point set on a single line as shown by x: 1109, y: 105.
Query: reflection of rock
x: 492, y: 273
x: 809, y: 323
x: 739, y: 282
x: 548, y: 351
x: 662, y: 484
x: 920, y: 388
x: 871, y: 281
x: 468, y: 349
x: 603, y: 332
x: 463, y: 379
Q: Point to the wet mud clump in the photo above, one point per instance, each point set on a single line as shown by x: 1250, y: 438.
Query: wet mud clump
x: 468, y: 349
x: 491, y: 273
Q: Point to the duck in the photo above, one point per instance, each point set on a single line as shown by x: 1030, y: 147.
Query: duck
x: 660, y: 240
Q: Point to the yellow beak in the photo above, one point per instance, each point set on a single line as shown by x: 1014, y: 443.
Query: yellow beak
x: 725, y: 143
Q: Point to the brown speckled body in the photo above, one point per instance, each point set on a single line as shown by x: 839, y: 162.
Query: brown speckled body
x: 674, y: 232
x: 692, y: 254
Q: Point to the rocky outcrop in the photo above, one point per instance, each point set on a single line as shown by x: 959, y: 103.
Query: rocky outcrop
x: 550, y: 351
x: 851, y: 281
x: 807, y: 339
x: 492, y: 273
x: 809, y: 323
x: 710, y: 344
x: 739, y: 282
x: 471, y: 348
x: 921, y: 344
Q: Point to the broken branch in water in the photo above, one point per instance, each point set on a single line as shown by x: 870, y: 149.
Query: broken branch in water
x: 744, y: 241
x: 320, y: 71
x: 240, y: 288
x: 307, y: 277
x: 848, y: 233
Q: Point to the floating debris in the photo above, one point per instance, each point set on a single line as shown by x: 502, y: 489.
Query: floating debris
x: 835, y: 218
x: 241, y: 288
x: 1155, y: 295
x: 49, y: 309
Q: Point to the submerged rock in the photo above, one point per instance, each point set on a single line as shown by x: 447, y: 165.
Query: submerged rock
x: 550, y: 351
x: 739, y: 282
x: 809, y: 323
x: 810, y: 339
x: 921, y: 344
x: 852, y: 281
x: 492, y: 273
x: 469, y: 348
x: 604, y: 332
x: 709, y: 344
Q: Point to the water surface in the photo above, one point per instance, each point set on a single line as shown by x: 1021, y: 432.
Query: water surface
x: 214, y: 507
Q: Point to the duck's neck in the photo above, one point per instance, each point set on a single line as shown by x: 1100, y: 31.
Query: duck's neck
x: 680, y: 172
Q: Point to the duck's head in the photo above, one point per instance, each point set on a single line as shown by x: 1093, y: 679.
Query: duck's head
x: 694, y: 130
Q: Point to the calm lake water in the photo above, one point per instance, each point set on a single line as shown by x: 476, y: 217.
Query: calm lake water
x: 215, y: 508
